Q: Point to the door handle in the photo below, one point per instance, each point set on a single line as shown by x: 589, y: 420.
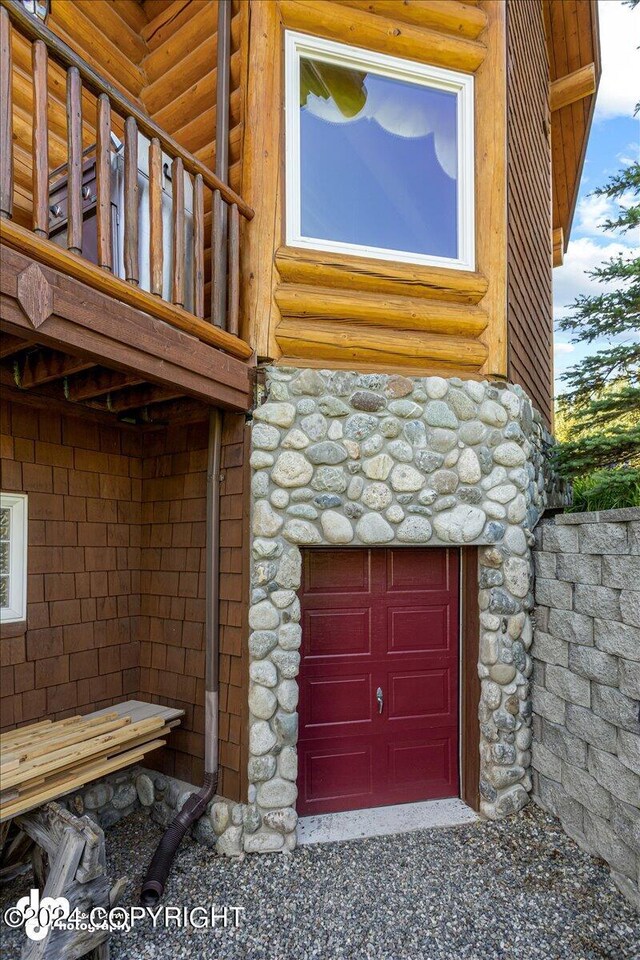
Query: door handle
x: 380, y: 699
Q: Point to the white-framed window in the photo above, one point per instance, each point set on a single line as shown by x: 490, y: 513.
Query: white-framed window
x: 13, y: 557
x: 379, y: 155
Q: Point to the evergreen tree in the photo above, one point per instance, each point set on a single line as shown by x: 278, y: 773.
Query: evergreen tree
x: 602, y: 400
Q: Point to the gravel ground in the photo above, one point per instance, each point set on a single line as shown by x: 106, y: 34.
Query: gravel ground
x: 516, y: 890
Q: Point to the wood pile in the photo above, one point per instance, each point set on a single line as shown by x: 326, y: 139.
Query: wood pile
x: 45, y: 760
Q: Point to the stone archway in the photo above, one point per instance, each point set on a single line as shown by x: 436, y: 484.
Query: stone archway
x: 370, y: 459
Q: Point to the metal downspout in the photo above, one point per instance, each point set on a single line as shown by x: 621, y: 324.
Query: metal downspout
x: 196, y: 805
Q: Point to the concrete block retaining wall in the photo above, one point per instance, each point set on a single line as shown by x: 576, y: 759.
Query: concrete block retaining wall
x: 586, y: 692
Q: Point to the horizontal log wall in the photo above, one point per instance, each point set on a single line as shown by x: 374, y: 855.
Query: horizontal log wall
x: 97, y: 31
x: 315, y: 307
x: 181, y: 88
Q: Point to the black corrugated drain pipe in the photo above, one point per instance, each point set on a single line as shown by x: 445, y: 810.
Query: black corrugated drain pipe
x: 195, y: 806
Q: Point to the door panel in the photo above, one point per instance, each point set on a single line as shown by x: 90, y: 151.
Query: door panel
x: 339, y: 699
x: 337, y: 633
x: 418, y: 694
x: 417, y: 629
x: 378, y: 619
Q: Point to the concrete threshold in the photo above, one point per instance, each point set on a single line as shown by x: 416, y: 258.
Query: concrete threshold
x: 384, y: 821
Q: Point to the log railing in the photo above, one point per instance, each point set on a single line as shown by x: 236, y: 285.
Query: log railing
x: 226, y: 206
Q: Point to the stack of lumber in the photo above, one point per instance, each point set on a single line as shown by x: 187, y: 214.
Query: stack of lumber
x: 48, y: 759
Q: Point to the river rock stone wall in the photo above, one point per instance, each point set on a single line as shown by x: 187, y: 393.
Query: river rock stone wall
x: 377, y: 460
x: 107, y: 801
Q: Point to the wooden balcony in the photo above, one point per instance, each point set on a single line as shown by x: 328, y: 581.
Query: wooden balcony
x: 103, y: 285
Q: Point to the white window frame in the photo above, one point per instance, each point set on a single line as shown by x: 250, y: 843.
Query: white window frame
x: 16, y: 610
x: 299, y: 45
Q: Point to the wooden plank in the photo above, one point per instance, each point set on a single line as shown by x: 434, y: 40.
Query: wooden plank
x: 47, y: 727
x: 135, y: 397
x: 131, y: 267
x: 198, y: 248
x: 331, y: 341
x: 96, y: 383
x: 360, y: 306
x: 461, y: 19
x: 572, y: 87
x: 103, y: 183
x: 491, y: 178
x: 10, y: 345
x: 206, y: 388
x: 45, y: 366
x: 88, y: 773
x: 40, y: 141
x: 558, y: 247
x: 70, y: 757
x: 74, y: 168
x: 233, y: 311
x: 156, y: 241
x: 177, y: 271
x: 261, y: 170
x: 205, y: 374
x: 339, y: 22
x: 38, y: 746
x: 103, y: 282
x: 382, y: 277
x: 138, y: 709
x: 218, y: 261
x: 6, y: 118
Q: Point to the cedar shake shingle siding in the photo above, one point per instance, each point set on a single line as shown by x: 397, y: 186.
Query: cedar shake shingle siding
x: 116, y: 577
x: 529, y: 295
x: 79, y: 650
x: 172, y: 659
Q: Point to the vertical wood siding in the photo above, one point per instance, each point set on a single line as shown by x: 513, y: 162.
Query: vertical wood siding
x: 529, y: 295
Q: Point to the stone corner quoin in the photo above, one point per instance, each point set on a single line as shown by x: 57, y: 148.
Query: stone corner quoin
x: 353, y: 459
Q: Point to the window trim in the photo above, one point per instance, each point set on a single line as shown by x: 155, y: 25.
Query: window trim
x: 300, y: 44
x: 17, y: 504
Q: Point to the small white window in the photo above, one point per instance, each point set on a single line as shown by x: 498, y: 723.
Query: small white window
x: 379, y: 155
x: 13, y: 557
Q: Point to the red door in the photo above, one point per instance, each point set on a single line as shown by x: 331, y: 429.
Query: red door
x: 378, y: 678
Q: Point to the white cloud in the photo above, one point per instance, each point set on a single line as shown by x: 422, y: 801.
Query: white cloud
x: 592, y: 211
x: 563, y: 347
x: 629, y: 155
x: 569, y: 280
x: 619, y: 39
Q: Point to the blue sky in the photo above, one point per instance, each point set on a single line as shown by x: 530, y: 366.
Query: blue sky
x: 615, y: 138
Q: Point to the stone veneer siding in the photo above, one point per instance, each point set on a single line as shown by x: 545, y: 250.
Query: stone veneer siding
x: 373, y: 459
x: 586, y: 694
